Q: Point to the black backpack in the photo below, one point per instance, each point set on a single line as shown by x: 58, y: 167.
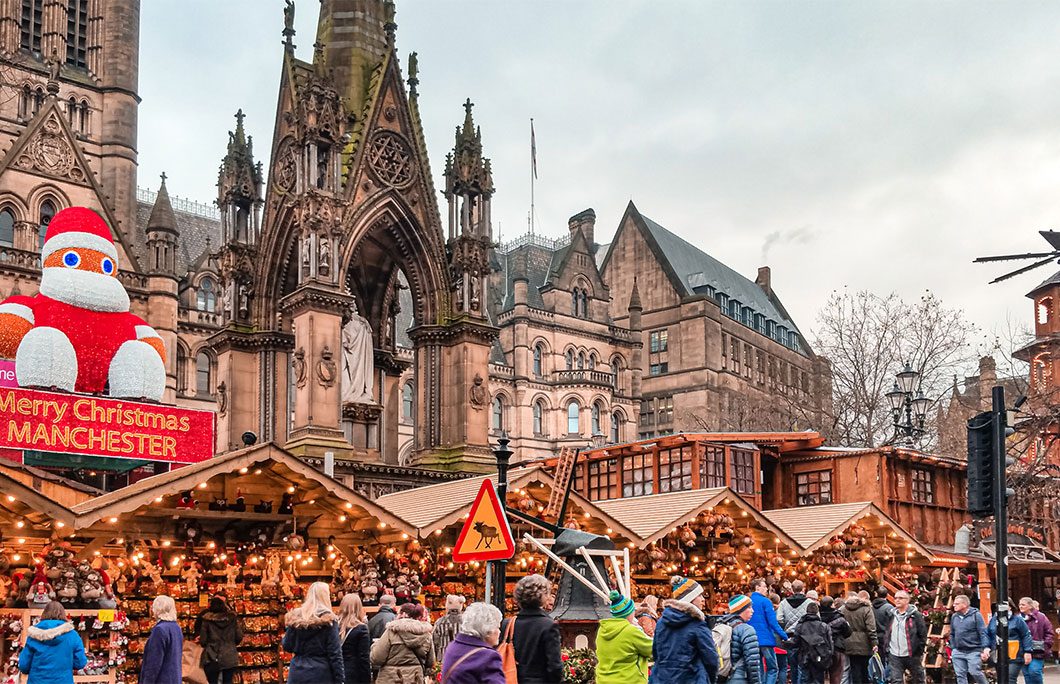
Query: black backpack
x: 818, y: 650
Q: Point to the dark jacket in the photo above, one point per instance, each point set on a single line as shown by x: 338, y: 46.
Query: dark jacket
x: 537, y: 650
x: 791, y: 609
x: 862, y: 621
x: 883, y: 611
x: 1041, y: 633
x: 915, y: 631
x: 683, y: 650
x: 52, y: 652
x: 378, y: 622
x: 811, y: 630
x: 482, y: 666
x: 405, y: 652
x: 968, y: 631
x: 163, y: 653
x: 219, y: 634
x: 839, y: 625
x: 445, y: 630
x: 1017, y: 631
x: 355, y: 655
x: 764, y: 621
x: 316, y: 647
x: 743, y: 650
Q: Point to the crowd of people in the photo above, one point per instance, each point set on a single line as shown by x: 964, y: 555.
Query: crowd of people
x: 761, y: 639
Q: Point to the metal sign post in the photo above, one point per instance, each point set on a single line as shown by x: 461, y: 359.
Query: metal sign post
x: 1001, y: 531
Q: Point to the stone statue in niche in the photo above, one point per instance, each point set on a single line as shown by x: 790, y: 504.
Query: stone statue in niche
x: 358, y: 367
x: 244, y: 300
x: 226, y: 299
x: 324, y: 260
x: 307, y: 254
x: 474, y: 292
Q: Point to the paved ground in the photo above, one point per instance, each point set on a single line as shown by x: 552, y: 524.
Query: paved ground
x: 1052, y: 674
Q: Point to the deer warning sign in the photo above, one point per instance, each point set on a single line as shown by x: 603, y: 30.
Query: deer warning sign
x: 486, y: 535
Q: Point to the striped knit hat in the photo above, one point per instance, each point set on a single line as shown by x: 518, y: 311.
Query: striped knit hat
x: 621, y: 606
x: 738, y: 603
x: 684, y: 589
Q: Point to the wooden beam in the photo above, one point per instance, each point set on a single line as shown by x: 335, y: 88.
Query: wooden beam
x: 92, y: 546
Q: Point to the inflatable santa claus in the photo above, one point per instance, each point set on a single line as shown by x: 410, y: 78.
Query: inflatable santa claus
x: 78, y: 334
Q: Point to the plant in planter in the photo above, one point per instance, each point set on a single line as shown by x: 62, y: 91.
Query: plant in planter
x: 579, y: 666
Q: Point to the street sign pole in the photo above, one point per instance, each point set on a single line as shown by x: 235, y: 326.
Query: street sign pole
x: 1001, y: 531
x: 500, y: 567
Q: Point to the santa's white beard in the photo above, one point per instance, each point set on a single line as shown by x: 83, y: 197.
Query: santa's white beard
x: 85, y: 289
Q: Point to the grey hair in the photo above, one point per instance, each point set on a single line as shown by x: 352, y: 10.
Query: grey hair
x: 797, y: 586
x: 963, y: 598
x: 902, y: 593
x: 164, y: 608
x: 531, y: 590
x: 480, y: 620
x: 1028, y: 600
x: 387, y: 600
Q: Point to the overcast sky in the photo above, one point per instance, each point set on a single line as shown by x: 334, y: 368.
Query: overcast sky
x: 874, y: 146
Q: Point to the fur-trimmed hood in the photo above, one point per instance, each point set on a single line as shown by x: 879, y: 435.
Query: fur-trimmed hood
x: 403, y: 626
x: 684, y: 607
x: 295, y: 619
x: 54, y: 629
x: 855, y: 602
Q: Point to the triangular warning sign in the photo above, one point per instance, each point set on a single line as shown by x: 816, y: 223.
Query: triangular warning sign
x: 486, y: 534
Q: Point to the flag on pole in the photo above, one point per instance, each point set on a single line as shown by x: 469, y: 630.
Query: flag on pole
x: 533, y: 149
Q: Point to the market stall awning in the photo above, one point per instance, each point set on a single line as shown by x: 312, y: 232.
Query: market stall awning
x: 40, y: 515
x: 435, y: 507
x: 813, y: 526
x: 653, y: 517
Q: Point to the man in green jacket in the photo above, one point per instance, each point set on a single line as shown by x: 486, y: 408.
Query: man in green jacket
x: 622, y: 648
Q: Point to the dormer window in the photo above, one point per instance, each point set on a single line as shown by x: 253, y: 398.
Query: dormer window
x: 207, y: 298
x: 1045, y: 305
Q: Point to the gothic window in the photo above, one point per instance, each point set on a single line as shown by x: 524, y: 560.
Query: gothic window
x: 47, y: 211
x: 596, y: 419
x: 25, y: 106
x: 574, y: 302
x: 82, y: 117
x: 406, y: 402
x: 539, y: 414
x: 572, y: 418
x: 585, y: 304
x: 71, y: 112
x: 202, y: 374
x: 32, y: 11
x: 616, y: 425
x: 242, y: 219
x: 498, y: 413
x: 207, y: 299
x: 77, y: 32
x: 182, y: 369
x: 614, y: 374
x: 581, y: 360
x: 1045, y: 305
x: 592, y: 361
x: 7, y: 228
x: 538, y: 353
x: 570, y: 359
x: 323, y: 153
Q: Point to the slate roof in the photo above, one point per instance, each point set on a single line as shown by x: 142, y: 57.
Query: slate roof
x: 533, y: 260
x: 192, y: 232
x: 1052, y: 280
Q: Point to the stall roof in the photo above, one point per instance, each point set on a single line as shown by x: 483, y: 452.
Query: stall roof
x: 440, y: 505
x: 22, y: 502
x: 813, y: 526
x: 653, y: 517
x: 146, y: 491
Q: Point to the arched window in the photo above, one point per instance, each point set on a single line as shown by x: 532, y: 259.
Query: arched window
x: 7, y: 228
x: 406, y: 402
x: 596, y: 419
x: 71, y: 111
x: 82, y: 117
x: 182, y: 370
x: 574, y: 302
x: 616, y: 421
x: 498, y: 413
x: 537, y: 360
x: 202, y: 374
x: 614, y: 374
x: 585, y: 304
x: 570, y: 359
x: 47, y: 211
x: 207, y: 296
x: 581, y: 360
x: 592, y: 361
x: 539, y: 415
x: 572, y: 418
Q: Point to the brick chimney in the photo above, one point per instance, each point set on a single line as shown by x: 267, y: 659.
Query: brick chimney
x: 763, y: 280
x: 586, y: 220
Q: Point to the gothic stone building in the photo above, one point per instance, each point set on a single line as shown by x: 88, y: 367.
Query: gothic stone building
x: 554, y: 342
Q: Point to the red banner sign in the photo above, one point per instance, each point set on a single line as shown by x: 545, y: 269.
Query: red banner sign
x: 99, y: 426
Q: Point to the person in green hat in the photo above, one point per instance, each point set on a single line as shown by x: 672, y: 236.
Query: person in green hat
x: 622, y: 648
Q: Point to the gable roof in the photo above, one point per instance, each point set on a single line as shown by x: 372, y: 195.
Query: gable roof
x: 813, y: 526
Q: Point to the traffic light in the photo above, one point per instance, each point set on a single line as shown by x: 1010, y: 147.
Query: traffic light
x: 981, y: 465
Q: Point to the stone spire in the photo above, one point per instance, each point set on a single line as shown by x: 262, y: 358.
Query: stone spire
x: 162, y: 234
x: 468, y: 180
x: 356, y: 34
x: 634, y: 298
x: 239, y: 188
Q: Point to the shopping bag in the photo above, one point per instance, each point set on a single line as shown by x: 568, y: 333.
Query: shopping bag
x: 191, y: 664
x: 1013, y: 649
x: 876, y: 672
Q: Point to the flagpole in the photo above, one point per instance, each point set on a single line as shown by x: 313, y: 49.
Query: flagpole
x: 533, y: 173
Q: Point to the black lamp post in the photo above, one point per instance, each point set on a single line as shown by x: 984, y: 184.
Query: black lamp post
x: 504, y: 456
x: 909, y: 406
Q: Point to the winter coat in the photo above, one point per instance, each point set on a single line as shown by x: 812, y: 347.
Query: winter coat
x: 163, y: 654
x: 764, y: 621
x: 812, y: 630
x: 483, y: 666
x: 968, y: 631
x: 219, y: 634
x: 378, y: 622
x: 915, y: 631
x: 683, y: 649
x: 883, y: 611
x: 537, y: 649
x: 445, y: 630
x: 622, y: 652
x: 316, y: 647
x: 355, y: 655
x: 743, y: 650
x: 839, y: 625
x: 52, y: 652
x: 862, y: 621
x: 405, y: 652
x: 646, y: 619
x: 1041, y: 633
x: 1017, y: 631
x: 791, y: 609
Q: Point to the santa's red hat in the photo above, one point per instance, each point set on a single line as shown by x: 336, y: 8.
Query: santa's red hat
x: 78, y: 227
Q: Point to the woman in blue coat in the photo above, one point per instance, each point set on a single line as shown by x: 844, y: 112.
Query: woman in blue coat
x: 53, y: 649
x: 312, y: 636
x: 164, y: 649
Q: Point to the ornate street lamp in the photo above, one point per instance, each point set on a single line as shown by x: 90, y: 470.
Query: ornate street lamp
x: 909, y: 406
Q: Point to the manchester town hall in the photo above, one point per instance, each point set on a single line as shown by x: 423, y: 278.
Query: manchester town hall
x: 337, y: 302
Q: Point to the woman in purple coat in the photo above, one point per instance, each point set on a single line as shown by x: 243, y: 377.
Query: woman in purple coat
x: 471, y: 658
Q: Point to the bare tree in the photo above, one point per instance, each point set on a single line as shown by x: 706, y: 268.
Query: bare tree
x: 868, y: 338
